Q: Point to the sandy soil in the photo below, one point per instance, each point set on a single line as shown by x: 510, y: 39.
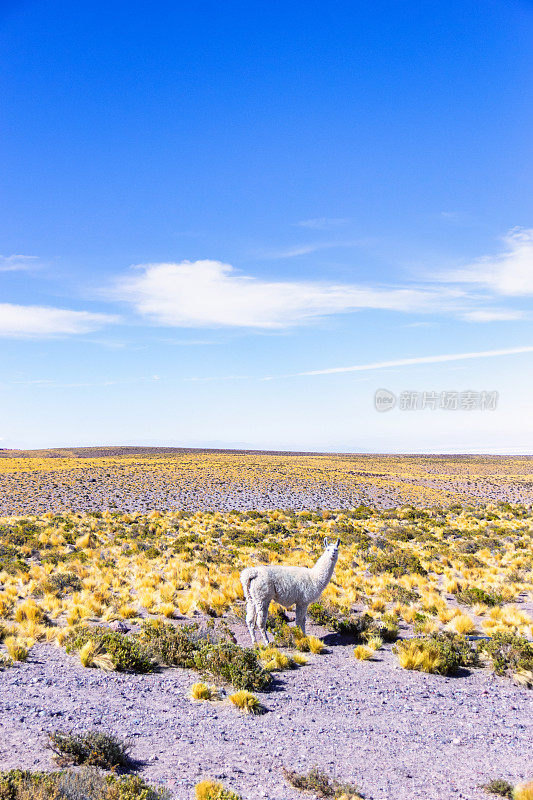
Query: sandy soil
x: 398, y: 735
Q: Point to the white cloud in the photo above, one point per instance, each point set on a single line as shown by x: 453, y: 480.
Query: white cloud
x: 16, y: 263
x: 209, y: 293
x: 403, y: 362
x: 509, y: 273
x: 493, y: 315
x: 40, y: 321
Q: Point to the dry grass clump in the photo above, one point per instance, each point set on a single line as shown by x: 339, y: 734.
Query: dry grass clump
x: 5, y: 661
x: 93, y: 748
x: 246, y: 702
x: 462, y: 623
x: 94, y: 655
x: 320, y: 784
x: 363, y: 653
x: 299, y: 659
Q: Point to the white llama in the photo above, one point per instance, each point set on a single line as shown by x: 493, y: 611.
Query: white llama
x: 288, y: 586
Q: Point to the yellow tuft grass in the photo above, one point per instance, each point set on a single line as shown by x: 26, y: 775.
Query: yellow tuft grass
x: 462, y: 623
x: 212, y: 790
x: 16, y: 648
x: 273, y: 660
x: 127, y: 612
x: 299, y: 659
x: 362, y: 653
x: 523, y: 791
x: 91, y: 655
x: 414, y: 656
x: 28, y: 610
x: 316, y: 645
x: 167, y: 609
x: 246, y: 702
x: 201, y: 691
x: 447, y: 614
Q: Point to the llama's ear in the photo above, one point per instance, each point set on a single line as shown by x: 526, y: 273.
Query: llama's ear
x: 325, y: 541
x: 337, y: 543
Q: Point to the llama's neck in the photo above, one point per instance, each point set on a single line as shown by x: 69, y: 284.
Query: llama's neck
x: 323, y: 570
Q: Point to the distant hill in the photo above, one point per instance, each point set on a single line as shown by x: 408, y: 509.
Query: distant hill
x: 111, y: 451
x: 114, y: 452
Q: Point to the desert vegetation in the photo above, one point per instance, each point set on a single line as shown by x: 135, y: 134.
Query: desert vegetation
x: 127, y: 592
x: 438, y: 589
x: 143, y: 479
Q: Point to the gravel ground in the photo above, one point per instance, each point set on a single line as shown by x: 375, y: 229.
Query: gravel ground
x: 398, y: 735
x: 203, y: 481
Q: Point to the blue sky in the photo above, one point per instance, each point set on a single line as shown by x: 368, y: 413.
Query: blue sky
x: 202, y: 203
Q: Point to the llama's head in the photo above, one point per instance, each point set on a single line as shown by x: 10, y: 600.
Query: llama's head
x: 331, y: 548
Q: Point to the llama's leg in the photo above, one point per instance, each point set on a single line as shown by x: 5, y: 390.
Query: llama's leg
x: 251, y: 616
x: 262, y: 615
x: 301, y: 613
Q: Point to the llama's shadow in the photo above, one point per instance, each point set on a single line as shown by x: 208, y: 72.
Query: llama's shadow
x: 277, y: 685
x: 337, y: 639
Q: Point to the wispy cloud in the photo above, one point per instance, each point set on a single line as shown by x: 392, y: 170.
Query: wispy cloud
x: 18, y: 321
x: 188, y: 342
x: 306, y: 248
x: 210, y: 294
x: 493, y: 315
x: 403, y: 362
x: 506, y: 273
x: 48, y: 383
x: 18, y: 263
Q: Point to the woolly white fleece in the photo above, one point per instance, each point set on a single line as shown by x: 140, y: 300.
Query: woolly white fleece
x: 288, y: 586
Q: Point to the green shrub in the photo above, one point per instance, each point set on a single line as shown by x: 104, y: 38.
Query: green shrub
x: 63, y: 583
x: 508, y: 652
x: 290, y: 637
x: 358, y: 627
x: 322, y: 615
x: 470, y: 595
x: 228, y: 662
x: 320, y: 784
x: 500, y: 787
x: 397, y: 562
x: 387, y: 628
x: 126, y: 652
x: 85, y: 784
x: 400, y: 594
x: 441, y: 653
x: 94, y: 748
x: 171, y: 645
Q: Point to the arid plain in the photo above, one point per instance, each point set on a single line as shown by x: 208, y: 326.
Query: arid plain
x: 121, y: 612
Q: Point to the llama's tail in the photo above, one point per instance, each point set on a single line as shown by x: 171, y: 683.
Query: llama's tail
x: 247, y: 576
